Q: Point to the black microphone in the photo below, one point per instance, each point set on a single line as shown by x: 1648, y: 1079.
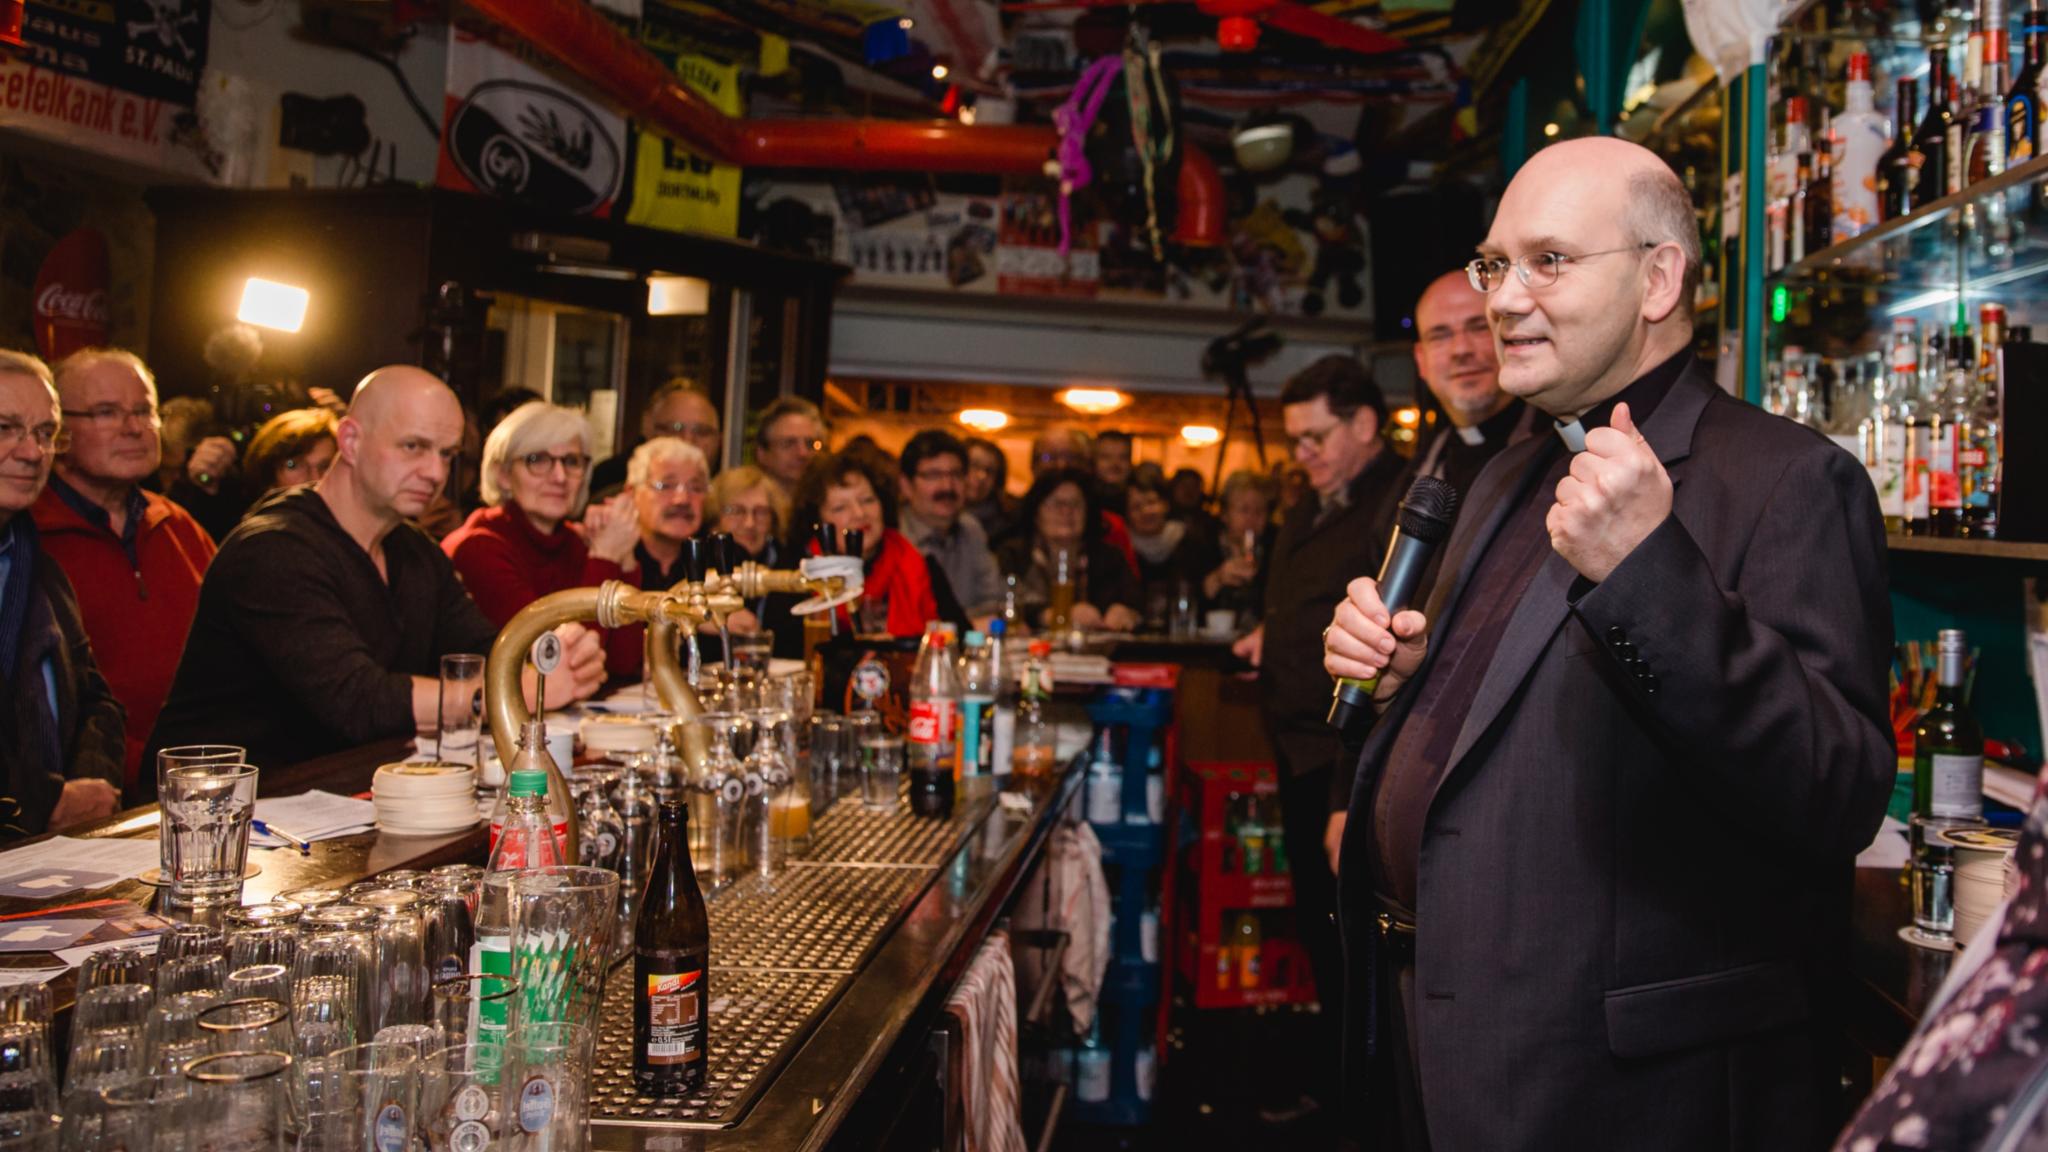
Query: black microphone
x: 1423, y: 522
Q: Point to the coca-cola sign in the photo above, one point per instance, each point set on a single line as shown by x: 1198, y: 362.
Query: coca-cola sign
x: 71, y: 295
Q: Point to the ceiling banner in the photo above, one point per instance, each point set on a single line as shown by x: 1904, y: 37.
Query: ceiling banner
x: 513, y: 132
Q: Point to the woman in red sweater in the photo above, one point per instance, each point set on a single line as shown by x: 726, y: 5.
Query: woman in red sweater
x: 521, y: 545
x: 856, y: 491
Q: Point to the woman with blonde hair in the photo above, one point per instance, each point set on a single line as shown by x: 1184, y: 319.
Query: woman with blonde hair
x: 522, y: 544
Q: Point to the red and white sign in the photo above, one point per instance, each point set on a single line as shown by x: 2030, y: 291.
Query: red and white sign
x: 71, y: 295
x: 64, y: 109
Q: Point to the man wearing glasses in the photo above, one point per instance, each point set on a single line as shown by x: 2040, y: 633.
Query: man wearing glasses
x: 792, y: 431
x: 134, y: 557
x: 323, y: 621
x: 1333, y: 413
x: 1654, y: 688
x: 934, y: 477
x: 1454, y: 357
x: 679, y: 409
x: 60, y: 726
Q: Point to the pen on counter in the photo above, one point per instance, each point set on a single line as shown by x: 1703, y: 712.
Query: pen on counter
x: 305, y: 847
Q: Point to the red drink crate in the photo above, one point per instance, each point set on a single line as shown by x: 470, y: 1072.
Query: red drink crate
x: 1234, y: 867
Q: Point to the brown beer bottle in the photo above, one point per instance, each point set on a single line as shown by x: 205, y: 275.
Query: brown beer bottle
x: 671, y: 967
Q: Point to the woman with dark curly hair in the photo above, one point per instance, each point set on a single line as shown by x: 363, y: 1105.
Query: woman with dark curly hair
x: 1063, y: 513
x: 856, y: 491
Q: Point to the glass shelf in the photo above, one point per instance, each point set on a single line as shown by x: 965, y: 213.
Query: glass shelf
x: 1989, y: 549
x: 1982, y: 240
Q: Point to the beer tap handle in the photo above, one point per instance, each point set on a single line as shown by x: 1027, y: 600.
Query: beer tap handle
x: 723, y: 552
x: 694, y: 559
x: 828, y: 539
x: 854, y: 540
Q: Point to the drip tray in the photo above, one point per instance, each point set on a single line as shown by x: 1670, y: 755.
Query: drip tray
x: 781, y: 952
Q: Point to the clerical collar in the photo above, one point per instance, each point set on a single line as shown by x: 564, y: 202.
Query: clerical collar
x: 1642, y: 397
x: 1472, y: 434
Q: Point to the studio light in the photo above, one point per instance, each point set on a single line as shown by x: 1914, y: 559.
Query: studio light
x: 269, y: 304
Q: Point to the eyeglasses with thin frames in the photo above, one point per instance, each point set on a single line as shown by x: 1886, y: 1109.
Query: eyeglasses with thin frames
x: 1313, y: 440
x: 664, y: 487
x: 1537, y: 269
x: 145, y: 414
x: 542, y: 463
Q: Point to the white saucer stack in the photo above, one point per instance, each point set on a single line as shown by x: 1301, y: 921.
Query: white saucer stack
x: 612, y: 735
x: 424, y: 799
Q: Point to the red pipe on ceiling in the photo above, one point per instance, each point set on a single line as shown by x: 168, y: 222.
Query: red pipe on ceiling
x: 578, y: 37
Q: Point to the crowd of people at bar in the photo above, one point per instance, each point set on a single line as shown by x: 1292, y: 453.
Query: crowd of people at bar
x: 290, y: 587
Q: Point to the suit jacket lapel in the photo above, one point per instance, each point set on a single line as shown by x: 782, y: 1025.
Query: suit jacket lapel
x: 1544, y: 605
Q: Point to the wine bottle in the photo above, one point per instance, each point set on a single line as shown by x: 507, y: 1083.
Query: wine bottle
x: 1948, y: 746
x: 1898, y: 171
x: 2023, y: 98
x: 671, y: 968
x: 1930, y: 139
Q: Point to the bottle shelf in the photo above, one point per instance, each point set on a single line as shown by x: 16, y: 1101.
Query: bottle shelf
x: 1951, y: 244
x: 1987, y: 549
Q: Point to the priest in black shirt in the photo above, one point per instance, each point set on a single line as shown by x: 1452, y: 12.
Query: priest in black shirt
x: 1454, y: 357
x: 323, y: 619
x: 1651, y: 685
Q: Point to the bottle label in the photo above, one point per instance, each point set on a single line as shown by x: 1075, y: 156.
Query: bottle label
x: 391, y: 1133
x: 2021, y: 125
x: 1952, y: 143
x: 536, y: 1103
x: 932, y: 721
x: 1987, y: 138
x: 1958, y: 786
x: 488, y: 1019
x: 675, y: 1017
x: 1944, y: 486
x: 977, y: 736
x: 1888, y: 472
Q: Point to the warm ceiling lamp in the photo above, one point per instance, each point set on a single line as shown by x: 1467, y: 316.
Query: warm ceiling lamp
x: 984, y: 419
x: 269, y: 304
x: 1407, y: 417
x: 1093, y: 401
x: 1200, y: 435
x: 678, y: 296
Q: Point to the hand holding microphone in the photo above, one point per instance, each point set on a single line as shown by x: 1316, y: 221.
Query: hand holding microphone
x: 1374, y: 643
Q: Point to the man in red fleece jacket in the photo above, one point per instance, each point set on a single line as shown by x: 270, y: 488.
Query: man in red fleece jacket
x: 134, y: 558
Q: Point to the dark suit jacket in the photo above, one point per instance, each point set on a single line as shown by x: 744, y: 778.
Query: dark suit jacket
x: 1631, y: 871
x: 90, y: 722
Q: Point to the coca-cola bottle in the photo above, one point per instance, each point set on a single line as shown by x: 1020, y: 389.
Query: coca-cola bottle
x: 934, y: 718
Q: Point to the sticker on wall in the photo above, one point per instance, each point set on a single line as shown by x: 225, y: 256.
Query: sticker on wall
x: 70, y: 298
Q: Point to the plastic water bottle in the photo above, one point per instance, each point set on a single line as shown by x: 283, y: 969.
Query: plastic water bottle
x: 1105, y: 791
x: 1006, y: 703
x: 1033, y: 754
x: 979, y: 687
x: 526, y: 839
x: 934, y: 718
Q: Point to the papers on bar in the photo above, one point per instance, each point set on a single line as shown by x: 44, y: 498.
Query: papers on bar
x: 62, y: 865
x: 313, y: 816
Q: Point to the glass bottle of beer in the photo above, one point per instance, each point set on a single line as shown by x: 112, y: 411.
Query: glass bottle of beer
x: 1948, y: 746
x: 671, y: 968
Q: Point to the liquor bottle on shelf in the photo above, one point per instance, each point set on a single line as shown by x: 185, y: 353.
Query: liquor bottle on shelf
x: 1986, y: 147
x: 671, y: 968
x: 1898, y: 170
x: 1955, y: 136
x: 1799, y: 211
x: 1820, y: 196
x: 2023, y: 98
x: 1884, y: 432
x: 1781, y: 180
x: 1948, y: 402
x: 1861, y: 135
x: 1979, y: 427
x: 1930, y: 139
x: 1913, y: 416
x: 1948, y: 746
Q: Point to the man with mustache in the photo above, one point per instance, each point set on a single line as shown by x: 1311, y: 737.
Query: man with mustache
x: 60, y: 726
x: 324, y: 618
x: 1650, y: 685
x: 668, y: 480
x: 134, y: 557
x: 933, y: 479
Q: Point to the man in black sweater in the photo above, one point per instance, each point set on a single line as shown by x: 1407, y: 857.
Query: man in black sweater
x: 324, y: 617
x: 1333, y: 414
x: 61, y: 738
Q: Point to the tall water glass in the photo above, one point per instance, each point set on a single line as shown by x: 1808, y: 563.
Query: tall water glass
x: 205, y: 824
x: 181, y: 940
x: 187, y: 755
x: 831, y: 768
x: 462, y: 708
x: 475, y: 1008
x: 881, y: 771
x: 247, y: 1025
x: 462, y: 1099
x: 547, y: 1069
x: 448, y: 927
x: 175, y: 1037
x: 562, y: 940
x: 28, y: 1079
x: 335, y: 941
x: 109, y: 1031
x: 361, y: 1099
x: 243, y: 1099
x: 122, y: 1117
x: 399, y: 957
x: 191, y: 974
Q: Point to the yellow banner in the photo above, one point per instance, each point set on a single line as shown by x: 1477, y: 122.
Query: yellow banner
x: 676, y: 189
